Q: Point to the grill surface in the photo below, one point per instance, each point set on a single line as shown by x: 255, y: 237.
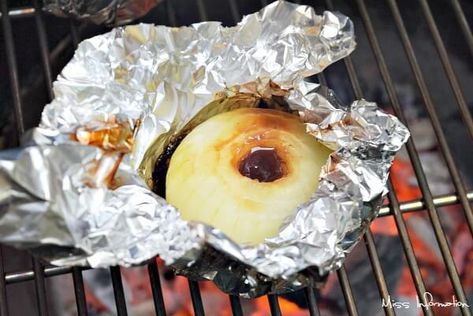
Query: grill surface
x: 168, y: 11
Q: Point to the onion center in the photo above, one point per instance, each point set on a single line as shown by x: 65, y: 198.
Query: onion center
x: 262, y: 164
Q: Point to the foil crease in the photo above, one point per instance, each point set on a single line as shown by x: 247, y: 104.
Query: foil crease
x: 101, y: 11
x: 157, y: 81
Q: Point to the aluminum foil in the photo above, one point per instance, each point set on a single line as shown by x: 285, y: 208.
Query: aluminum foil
x: 78, y: 192
x: 101, y: 11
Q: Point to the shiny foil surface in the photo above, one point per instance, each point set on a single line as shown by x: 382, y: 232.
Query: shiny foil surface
x: 78, y: 191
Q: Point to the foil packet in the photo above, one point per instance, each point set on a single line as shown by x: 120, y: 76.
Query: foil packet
x: 79, y: 191
x: 116, y: 12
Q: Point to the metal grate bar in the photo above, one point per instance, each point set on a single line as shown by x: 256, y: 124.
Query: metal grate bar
x: 355, y: 83
x: 17, y: 277
x: 371, y: 247
x: 196, y: 298
x: 79, y: 292
x: 422, y: 180
x: 396, y: 208
x: 43, y: 46
x: 3, y: 288
x: 39, y: 278
x: 447, y: 66
x: 40, y: 287
x: 234, y: 11
x: 457, y: 9
x: 60, y: 47
x: 12, y: 68
x: 236, y: 305
x: 76, y: 272
x: 408, y: 250
x: 322, y: 79
x: 373, y: 255
x: 401, y: 225
x: 342, y: 275
x: 451, y: 165
x: 274, y: 305
x: 202, y: 12
x: 312, y: 301
x: 20, y: 12
x: 156, y: 288
x: 74, y: 33
x: 439, y: 201
x: 117, y: 284
x: 378, y: 272
x: 347, y: 292
x: 171, y: 13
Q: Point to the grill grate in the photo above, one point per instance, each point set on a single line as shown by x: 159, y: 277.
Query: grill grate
x: 414, y: 156
x: 394, y: 209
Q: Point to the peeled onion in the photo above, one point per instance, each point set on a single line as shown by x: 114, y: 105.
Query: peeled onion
x: 244, y: 172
